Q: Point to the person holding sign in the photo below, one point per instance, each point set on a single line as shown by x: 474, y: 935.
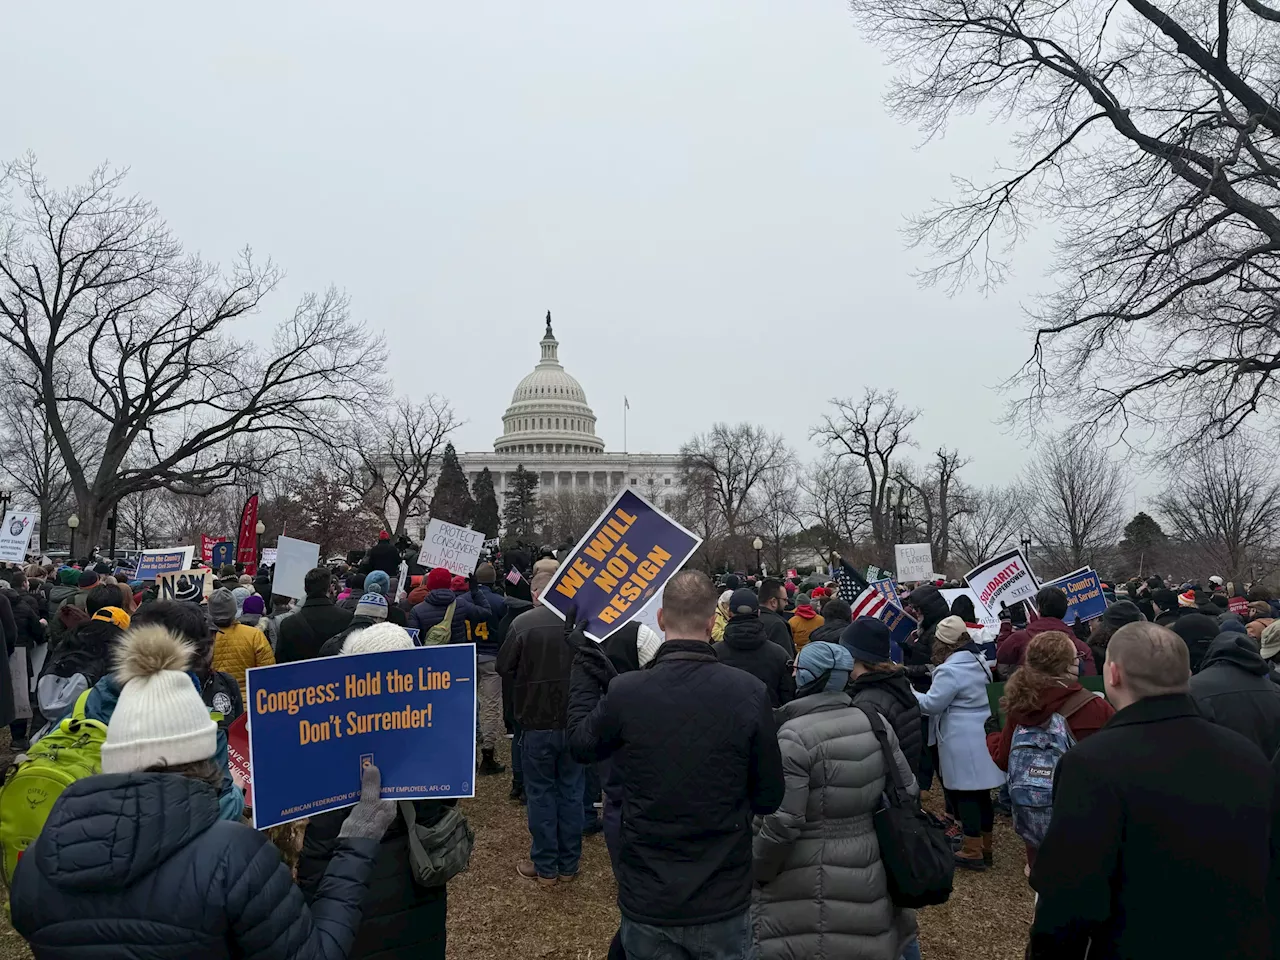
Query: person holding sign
x: 139, y: 855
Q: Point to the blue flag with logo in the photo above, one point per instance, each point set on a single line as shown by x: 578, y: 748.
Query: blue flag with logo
x: 315, y: 725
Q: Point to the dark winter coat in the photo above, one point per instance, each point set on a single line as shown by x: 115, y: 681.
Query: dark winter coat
x: 1010, y: 652
x: 778, y: 630
x: 472, y: 611
x: 746, y: 647
x: 139, y: 864
x: 829, y: 632
x: 822, y: 888
x: 1198, y: 631
x: 221, y: 692
x: 538, y: 658
x: 400, y: 920
x: 1158, y: 843
x: 487, y: 634
x: 384, y: 556
x: 333, y: 646
x: 1234, y: 690
x: 1168, y: 617
x: 917, y: 650
x: 889, y: 693
x: 697, y: 751
x: 304, y: 632
x: 29, y: 631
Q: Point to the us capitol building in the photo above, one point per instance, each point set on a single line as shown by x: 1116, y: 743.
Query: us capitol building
x: 550, y: 430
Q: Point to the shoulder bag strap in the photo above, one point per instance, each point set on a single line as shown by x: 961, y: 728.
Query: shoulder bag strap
x: 983, y: 664
x: 1074, y: 703
x: 892, y: 774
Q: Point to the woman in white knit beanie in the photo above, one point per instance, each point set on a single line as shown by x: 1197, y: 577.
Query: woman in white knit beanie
x: 137, y: 858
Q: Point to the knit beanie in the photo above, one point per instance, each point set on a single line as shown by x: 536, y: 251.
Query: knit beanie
x: 254, y: 605
x: 159, y: 719
x: 648, y: 641
x: 379, y: 638
x: 486, y: 574
x: 86, y: 579
x: 372, y: 605
x: 1122, y: 612
x: 951, y: 631
x: 222, y: 607
x: 803, y: 600
x: 867, y: 639
x: 438, y: 579
x: 240, y: 594
x: 355, y: 581
x: 818, y: 658
x: 1188, y: 600
x: 377, y: 582
x: 1271, y: 640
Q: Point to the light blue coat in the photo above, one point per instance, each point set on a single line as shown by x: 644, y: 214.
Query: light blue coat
x: 957, y: 708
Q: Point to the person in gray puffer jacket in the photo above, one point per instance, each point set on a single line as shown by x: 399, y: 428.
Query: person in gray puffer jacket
x: 821, y: 891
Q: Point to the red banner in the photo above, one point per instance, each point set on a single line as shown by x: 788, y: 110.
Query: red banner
x: 238, y: 756
x: 206, y: 547
x: 247, y: 547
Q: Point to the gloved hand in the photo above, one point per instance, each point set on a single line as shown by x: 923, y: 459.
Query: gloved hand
x: 369, y: 819
x: 590, y: 658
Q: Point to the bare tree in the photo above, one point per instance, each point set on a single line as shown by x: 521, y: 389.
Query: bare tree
x: 937, y: 500
x: 696, y: 508
x: 568, y: 514
x: 730, y: 463
x: 93, y: 280
x: 1076, y: 500
x: 33, y: 461
x: 393, y: 458
x: 834, y: 504
x: 871, y: 432
x: 1149, y: 136
x: 1223, y: 498
x: 779, y: 513
x: 993, y: 519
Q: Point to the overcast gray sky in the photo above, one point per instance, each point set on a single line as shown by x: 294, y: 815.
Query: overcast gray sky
x: 707, y: 194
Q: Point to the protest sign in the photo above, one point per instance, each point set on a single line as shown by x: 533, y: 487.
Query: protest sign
x: 238, y: 756
x: 15, y: 536
x: 1002, y: 581
x: 491, y: 544
x: 888, y: 589
x: 268, y: 556
x: 451, y: 546
x: 223, y: 552
x: 914, y: 561
x: 1084, y: 595
x: 192, y: 585
x: 293, y: 559
x: 626, y: 557
x: 990, y: 622
x: 648, y: 614
x: 314, y: 725
x: 152, y: 563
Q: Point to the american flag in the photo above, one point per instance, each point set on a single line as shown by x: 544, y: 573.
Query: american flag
x: 869, y: 603
x: 850, y: 584
x: 875, y: 601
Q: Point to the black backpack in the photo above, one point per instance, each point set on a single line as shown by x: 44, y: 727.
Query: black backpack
x: 917, y: 857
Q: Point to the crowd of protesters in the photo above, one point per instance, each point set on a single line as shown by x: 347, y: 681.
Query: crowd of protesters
x: 737, y: 761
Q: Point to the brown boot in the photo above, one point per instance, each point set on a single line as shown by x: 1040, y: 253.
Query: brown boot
x: 969, y: 856
x: 986, y: 848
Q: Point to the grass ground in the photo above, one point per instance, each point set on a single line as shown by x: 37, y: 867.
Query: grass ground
x: 492, y: 913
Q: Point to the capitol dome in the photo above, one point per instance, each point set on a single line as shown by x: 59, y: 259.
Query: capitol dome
x: 549, y: 411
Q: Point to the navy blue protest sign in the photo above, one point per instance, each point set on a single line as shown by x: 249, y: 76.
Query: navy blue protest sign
x: 627, y: 556
x: 152, y: 563
x: 223, y: 552
x: 314, y: 725
x: 1084, y: 595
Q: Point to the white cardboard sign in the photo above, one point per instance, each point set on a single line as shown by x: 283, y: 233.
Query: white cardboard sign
x: 15, y: 536
x: 448, y: 545
x: 914, y: 560
x: 293, y: 559
x: 1002, y: 581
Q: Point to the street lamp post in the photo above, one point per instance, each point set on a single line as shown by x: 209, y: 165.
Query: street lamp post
x: 72, y: 522
x: 758, y: 545
x: 259, y: 530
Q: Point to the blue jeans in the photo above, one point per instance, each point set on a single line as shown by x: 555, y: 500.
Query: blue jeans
x: 913, y: 950
x: 730, y: 939
x: 590, y: 793
x: 553, y: 786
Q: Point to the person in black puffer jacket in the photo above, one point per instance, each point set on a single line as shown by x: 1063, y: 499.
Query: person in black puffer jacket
x: 927, y: 605
x: 835, y: 616
x: 136, y: 861
x: 1197, y: 631
x: 400, y: 919
x: 879, y: 683
x: 1234, y: 690
x: 746, y: 646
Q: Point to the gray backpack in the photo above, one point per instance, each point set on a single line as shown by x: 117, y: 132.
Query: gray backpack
x: 438, y: 853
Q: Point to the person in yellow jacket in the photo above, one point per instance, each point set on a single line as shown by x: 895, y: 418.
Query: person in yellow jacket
x: 236, y: 646
x: 722, y: 617
x: 805, y: 621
